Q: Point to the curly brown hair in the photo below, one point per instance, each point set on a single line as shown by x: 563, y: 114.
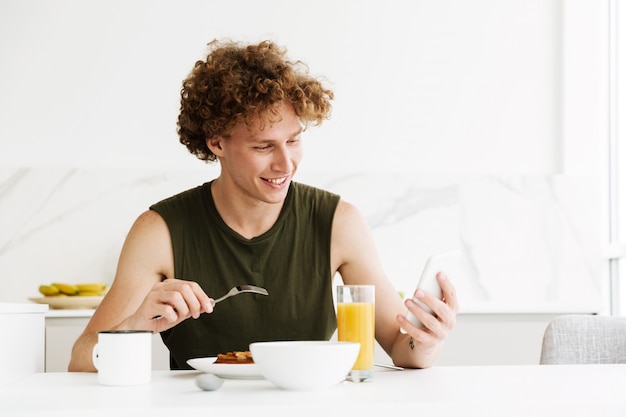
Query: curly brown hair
x: 243, y: 83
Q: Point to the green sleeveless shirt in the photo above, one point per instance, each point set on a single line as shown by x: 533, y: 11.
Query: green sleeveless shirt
x: 291, y: 260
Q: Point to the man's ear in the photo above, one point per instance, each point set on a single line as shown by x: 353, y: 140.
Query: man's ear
x: 215, y: 145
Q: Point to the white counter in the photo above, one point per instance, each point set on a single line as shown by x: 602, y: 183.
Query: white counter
x: 70, y: 313
x: 63, y: 328
x: 22, y: 308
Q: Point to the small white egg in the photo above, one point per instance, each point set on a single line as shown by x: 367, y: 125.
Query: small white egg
x: 209, y: 382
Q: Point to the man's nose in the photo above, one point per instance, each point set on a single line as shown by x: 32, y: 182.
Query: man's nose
x: 281, y: 159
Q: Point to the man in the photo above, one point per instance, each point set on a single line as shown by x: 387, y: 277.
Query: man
x: 247, y: 106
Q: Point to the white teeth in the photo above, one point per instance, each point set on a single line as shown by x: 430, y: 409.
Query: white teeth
x: 277, y: 181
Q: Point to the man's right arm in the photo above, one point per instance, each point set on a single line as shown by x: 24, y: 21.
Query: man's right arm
x: 144, y: 287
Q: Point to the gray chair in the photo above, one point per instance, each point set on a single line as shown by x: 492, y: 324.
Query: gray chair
x: 584, y: 339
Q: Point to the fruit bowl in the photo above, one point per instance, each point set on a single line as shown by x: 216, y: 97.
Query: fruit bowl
x: 304, y: 365
x: 59, y: 295
x: 69, y: 303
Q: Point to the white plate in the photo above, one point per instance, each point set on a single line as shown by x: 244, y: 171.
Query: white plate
x: 226, y: 370
x: 70, y: 302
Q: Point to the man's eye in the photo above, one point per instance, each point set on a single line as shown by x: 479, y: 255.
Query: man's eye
x: 262, y: 148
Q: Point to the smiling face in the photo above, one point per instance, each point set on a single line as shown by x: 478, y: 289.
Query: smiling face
x: 258, y: 165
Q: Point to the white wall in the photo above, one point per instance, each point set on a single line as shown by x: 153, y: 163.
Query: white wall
x: 427, y: 86
x: 618, y: 122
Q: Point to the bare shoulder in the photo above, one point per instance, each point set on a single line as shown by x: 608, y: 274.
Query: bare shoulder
x: 147, y: 247
x: 148, y: 232
x: 347, y: 215
x: 148, y: 221
x: 351, y: 237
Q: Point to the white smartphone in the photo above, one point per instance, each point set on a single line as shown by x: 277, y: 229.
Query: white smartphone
x: 428, y: 279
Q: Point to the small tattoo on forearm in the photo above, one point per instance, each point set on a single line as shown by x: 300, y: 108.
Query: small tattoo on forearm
x: 411, y: 344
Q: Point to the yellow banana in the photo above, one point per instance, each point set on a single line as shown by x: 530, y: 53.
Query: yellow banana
x: 89, y: 293
x: 91, y: 287
x: 68, y: 289
x: 49, y: 290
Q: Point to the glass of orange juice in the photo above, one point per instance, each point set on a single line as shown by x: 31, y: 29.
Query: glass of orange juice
x: 355, y: 323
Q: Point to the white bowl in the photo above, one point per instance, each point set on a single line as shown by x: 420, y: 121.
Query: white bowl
x: 304, y: 365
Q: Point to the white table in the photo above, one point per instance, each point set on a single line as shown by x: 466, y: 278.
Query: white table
x: 563, y: 390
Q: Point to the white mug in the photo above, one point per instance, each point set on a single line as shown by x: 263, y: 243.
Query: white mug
x: 123, y: 357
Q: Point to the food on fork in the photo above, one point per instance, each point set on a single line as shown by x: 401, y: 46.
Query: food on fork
x: 236, y: 356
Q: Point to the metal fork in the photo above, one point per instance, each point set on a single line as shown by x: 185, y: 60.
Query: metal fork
x: 239, y: 289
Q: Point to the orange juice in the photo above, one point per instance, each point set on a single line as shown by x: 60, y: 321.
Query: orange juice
x: 355, y: 323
